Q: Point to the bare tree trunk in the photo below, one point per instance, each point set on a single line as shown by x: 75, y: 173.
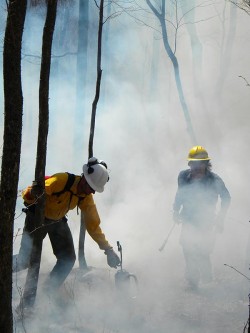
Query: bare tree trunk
x: 226, y: 54
x: 174, y: 60
x: 81, y: 256
x: 80, y: 114
x: 33, y: 272
x: 188, y: 10
x: 81, y: 249
x: 108, y: 48
x: 154, y: 67
x: 82, y: 59
x: 60, y: 45
x: 13, y: 109
x: 98, y: 80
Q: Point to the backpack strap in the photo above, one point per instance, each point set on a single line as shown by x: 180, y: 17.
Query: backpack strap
x: 69, y: 183
x: 67, y: 187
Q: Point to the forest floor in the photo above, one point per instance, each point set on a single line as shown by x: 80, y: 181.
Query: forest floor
x: 91, y: 303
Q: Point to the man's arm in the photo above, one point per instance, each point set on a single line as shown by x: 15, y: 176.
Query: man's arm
x: 225, y: 203
x: 178, y: 201
x: 224, y: 195
x: 92, y: 222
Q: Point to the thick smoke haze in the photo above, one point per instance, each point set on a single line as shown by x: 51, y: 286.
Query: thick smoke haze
x: 142, y: 135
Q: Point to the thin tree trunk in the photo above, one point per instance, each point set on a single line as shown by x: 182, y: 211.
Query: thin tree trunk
x: 98, y: 81
x: 81, y: 256
x: 81, y: 249
x: 33, y: 271
x: 188, y: 10
x: 13, y: 109
x: 226, y: 54
x: 108, y: 48
x: 82, y: 59
x: 81, y: 102
x: 154, y: 67
x: 161, y: 17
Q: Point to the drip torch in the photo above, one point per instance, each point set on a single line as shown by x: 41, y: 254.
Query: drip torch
x: 123, y: 279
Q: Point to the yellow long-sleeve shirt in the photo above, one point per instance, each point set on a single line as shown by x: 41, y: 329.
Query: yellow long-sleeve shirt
x: 58, y: 205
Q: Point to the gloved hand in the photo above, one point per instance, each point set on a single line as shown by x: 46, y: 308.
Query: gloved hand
x: 112, y: 258
x: 176, y: 217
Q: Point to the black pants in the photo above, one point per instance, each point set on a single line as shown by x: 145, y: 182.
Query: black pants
x: 62, y: 245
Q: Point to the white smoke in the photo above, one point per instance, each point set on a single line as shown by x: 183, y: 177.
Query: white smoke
x: 141, y: 134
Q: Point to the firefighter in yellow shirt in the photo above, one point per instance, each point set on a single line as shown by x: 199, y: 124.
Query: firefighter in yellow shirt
x: 65, y: 192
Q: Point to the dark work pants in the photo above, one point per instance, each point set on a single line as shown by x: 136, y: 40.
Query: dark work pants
x: 62, y: 245
x: 197, y: 244
x: 198, y: 266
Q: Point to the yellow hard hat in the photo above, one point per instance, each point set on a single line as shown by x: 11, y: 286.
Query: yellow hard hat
x: 198, y: 153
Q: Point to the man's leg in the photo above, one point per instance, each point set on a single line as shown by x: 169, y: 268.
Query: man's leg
x: 205, y: 267
x: 192, y: 268
x: 206, y: 246
x: 22, y: 259
x: 63, y: 248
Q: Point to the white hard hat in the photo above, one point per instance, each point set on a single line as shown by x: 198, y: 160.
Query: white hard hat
x: 96, y: 174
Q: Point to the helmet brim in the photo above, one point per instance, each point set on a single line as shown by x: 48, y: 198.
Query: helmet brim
x: 199, y: 159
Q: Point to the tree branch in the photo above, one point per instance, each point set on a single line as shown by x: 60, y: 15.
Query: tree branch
x: 154, y: 10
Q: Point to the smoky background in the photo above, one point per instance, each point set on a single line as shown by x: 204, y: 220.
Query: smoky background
x: 142, y: 135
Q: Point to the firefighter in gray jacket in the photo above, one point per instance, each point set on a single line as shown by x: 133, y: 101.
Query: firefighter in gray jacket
x: 195, y: 205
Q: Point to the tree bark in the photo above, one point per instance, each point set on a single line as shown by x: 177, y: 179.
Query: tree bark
x: 33, y: 271
x: 81, y: 255
x: 80, y: 114
x: 82, y: 60
x: 98, y: 80
x: 13, y: 109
